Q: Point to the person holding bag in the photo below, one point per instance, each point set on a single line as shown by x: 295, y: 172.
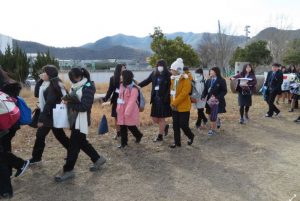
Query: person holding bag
x: 160, y: 98
x: 113, y: 94
x: 84, y: 89
x: 245, y: 89
x: 49, y: 90
x: 215, y: 90
x: 181, y: 87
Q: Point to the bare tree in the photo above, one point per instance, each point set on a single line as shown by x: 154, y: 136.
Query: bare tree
x: 279, y: 38
x: 217, y: 49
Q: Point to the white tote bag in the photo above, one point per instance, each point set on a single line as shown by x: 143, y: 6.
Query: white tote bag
x: 60, y: 116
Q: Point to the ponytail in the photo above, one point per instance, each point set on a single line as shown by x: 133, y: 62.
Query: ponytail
x: 79, y: 73
x: 86, y: 74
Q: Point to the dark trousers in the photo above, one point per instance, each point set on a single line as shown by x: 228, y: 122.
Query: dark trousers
x: 41, y: 134
x: 124, y: 133
x: 244, y: 109
x: 272, y: 107
x: 8, y: 161
x: 201, y: 116
x: 181, y: 121
x: 78, y: 141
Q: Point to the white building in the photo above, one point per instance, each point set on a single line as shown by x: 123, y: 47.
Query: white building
x: 4, y: 42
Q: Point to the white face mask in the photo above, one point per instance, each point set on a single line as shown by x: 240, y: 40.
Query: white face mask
x: 160, y: 69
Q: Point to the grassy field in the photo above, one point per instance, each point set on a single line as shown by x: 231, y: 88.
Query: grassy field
x: 255, y: 161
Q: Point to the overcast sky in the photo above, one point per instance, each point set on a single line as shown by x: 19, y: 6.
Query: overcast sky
x: 63, y: 23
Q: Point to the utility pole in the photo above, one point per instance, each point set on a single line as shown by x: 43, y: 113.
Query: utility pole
x: 247, y: 30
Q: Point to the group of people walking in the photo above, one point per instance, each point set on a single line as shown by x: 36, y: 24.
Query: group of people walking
x: 174, y: 92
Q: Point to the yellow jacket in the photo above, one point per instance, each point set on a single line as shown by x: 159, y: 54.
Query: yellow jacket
x: 180, y: 97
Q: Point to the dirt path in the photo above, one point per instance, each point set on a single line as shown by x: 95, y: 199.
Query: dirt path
x: 256, y: 161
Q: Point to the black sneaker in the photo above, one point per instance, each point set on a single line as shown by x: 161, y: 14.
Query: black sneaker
x: 23, y: 169
x: 297, y: 120
x: 159, y: 138
x: 291, y: 110
x: 191, y: 140
x: 122, y: 146
x: 172, y: 146
x: 138, y: 139
x: 276, y: 114
x: 167, y: 129
x: 6, y: 195
x: 218, y: 123
x: 241, y: 120
x: 268, y: 115
x: 33, y: 161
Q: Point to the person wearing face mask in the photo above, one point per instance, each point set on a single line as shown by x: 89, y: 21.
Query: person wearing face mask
x: 198, y: 84
x: 245, y: 89
x: 160, y: 99
x: 181, y: 87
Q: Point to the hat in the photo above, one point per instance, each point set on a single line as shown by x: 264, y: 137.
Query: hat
x: 177, y: 65
x: 51, y: 71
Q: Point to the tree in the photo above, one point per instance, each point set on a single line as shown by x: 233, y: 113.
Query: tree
x: 217, y: 49
x: 279, y: 37
x: 15, y: 62
x: 292, y: 55
x: 256, y: 53
x: 41, y: 60
x: 170, y: 50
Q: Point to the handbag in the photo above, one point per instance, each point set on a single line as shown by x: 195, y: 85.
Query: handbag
x: 103, y: 126
x: 60, y: 116
x: 35, y: 117
x: 212, y: 101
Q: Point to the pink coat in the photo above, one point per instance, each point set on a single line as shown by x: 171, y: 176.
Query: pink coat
x: 128, y: 113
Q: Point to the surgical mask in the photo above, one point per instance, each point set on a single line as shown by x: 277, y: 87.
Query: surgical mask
x: 160, y: 69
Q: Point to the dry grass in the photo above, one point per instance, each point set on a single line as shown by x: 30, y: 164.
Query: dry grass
x: 255, y: 161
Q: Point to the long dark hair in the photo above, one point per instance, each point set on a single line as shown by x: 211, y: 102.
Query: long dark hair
x: 117, y: 74
x: 217, y: 71
x: 244, y: 72
x: 79, y: 73
x: 54, y: 81
x: 199, y: 71
x: 127, y: 77
x: 292, y: 69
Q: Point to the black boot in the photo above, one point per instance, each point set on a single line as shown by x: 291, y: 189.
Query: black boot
x: 159, y: 138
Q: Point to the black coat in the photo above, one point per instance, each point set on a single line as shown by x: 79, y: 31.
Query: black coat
x: 111, y: 93
x: 51, y: 99
x: 164, y: 87
x: 274, y: 85
x: 87, y: 100
x: 219, y: 90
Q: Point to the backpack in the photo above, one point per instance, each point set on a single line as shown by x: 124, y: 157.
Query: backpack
x: 25, y: 112
x: 9, y: 112
x: 141, y: 99
x: 196, y: 93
